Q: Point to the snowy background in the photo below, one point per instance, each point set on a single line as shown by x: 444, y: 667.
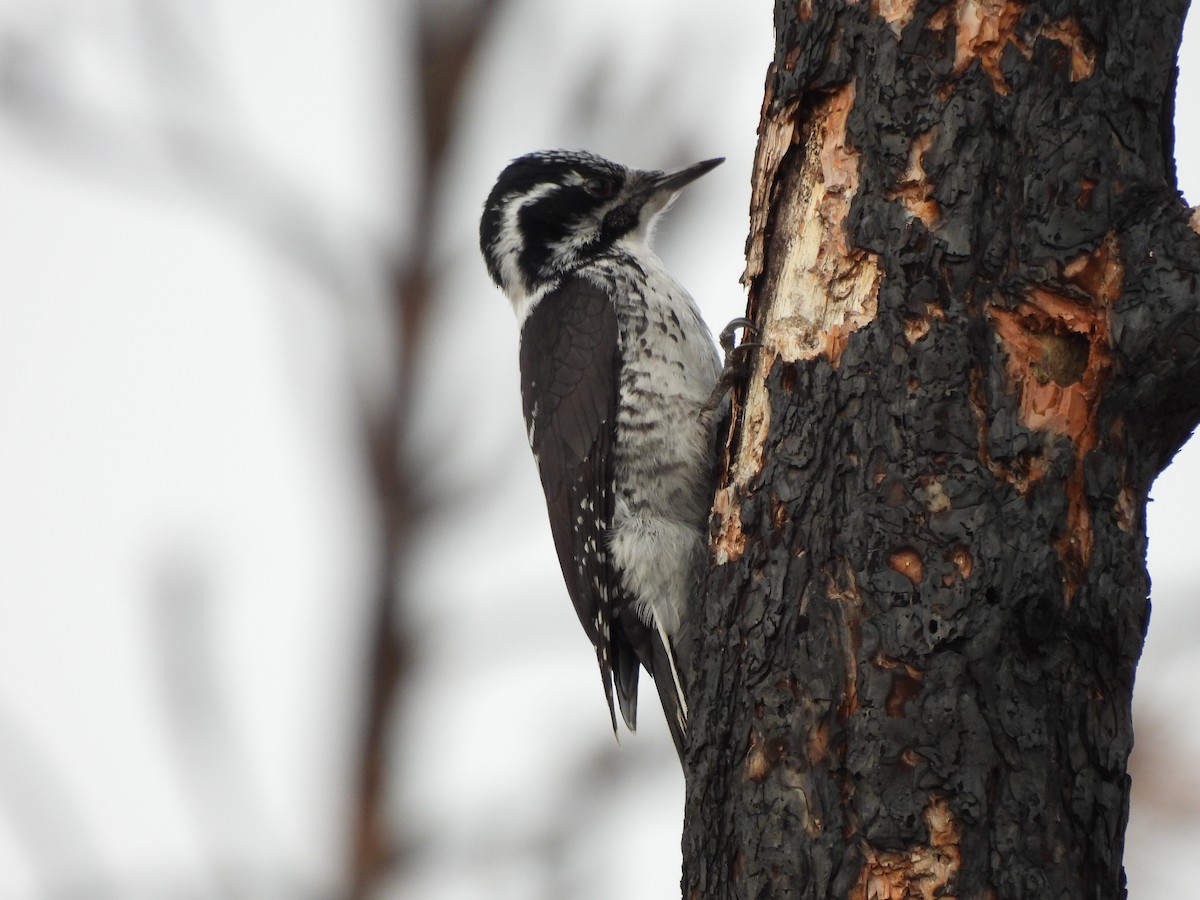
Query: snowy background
x: 238, y: 249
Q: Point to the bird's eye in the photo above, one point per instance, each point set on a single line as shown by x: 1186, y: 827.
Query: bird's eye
x: 600, y: 188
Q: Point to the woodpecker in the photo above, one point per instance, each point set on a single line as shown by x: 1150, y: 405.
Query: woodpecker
x: 617, y: 370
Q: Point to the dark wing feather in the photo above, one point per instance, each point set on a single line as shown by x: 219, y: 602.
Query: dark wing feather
x: 570, y: 370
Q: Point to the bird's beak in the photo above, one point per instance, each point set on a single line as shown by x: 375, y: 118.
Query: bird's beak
x: 671, y: 182
x: 661, y: 188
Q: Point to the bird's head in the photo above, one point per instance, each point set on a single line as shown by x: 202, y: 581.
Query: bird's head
x: 552, y: 212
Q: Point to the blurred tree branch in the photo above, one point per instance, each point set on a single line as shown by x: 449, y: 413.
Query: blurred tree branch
x: 446, y: 48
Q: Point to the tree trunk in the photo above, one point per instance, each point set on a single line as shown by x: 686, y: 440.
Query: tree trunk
x: 975, y: 287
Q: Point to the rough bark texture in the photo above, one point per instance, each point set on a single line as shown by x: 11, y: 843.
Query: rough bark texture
x: 976, y: 289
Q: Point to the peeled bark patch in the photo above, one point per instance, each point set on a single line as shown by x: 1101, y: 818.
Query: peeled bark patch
x: 922, y: 871
x: 984, y: 30
x: 822, y: 290
x: 728, y: 541
x: 914, y: 189
x: 1059, y: 355
x: 907, y: 562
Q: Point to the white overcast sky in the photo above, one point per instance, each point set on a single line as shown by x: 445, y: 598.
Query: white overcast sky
x: 197, y: 201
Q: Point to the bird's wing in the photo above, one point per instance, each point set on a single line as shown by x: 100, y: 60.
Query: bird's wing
x: 570, y: 371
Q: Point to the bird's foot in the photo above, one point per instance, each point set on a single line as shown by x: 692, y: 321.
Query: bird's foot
x: 737, y: 357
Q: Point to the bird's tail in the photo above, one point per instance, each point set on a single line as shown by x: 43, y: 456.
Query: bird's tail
x: 664, y: 669
x: 653, y: 649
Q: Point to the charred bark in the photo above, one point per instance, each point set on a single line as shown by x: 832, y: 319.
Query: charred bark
x: 975, y: 285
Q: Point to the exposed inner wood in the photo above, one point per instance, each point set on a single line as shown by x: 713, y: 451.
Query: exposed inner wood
x: 897, y: 13
x: 914, y: 189
x: 816, y: 287
x: 921, y: 871
x: 985, y: 29
x: 1058, y: 350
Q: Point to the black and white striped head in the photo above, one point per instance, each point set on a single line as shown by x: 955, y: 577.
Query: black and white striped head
x: 552, y: 212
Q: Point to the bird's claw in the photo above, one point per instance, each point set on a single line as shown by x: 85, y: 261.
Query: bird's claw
x: 736, y: 359
x: 729, y: 331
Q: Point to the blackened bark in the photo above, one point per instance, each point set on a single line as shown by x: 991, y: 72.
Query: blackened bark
x: 976, y: 292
